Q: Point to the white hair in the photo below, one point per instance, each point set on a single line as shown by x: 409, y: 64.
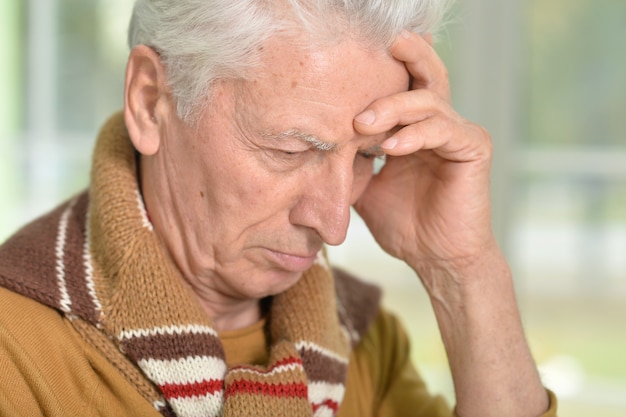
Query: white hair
x: 202, y: 41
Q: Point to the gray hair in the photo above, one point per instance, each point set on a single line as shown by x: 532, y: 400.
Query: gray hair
x: 202, y: 41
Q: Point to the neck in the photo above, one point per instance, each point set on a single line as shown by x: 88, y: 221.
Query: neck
x: 225, y: 311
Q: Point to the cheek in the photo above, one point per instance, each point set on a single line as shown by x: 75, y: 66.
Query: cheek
x: 251, y: 194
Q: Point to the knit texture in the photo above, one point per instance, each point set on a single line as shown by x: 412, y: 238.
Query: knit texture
x: 97, y: 260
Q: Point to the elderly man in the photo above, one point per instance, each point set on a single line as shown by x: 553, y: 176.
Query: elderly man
x: 190, y: 279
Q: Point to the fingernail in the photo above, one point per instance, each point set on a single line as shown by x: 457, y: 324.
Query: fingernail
x: 405, y: 34
x: 389, y: 143
x: 367, y: 117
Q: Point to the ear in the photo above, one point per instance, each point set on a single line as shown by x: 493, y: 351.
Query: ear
x: 145, y: 99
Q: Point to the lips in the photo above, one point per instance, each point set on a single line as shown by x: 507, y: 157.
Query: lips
x: 292, y: 262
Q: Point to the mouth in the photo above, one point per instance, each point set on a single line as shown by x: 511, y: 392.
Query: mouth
x: 292, y: 262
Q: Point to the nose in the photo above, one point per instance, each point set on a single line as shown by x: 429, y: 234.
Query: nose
x: 324, y: 204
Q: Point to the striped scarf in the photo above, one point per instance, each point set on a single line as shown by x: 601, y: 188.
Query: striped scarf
x: 98, y: 261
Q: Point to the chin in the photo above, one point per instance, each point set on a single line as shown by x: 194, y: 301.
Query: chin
x: 273, y: 282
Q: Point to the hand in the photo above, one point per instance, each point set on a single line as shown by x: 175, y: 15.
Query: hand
x: 430, y: 202
x: 430, y: 206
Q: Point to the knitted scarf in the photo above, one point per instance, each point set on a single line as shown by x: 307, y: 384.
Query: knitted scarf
x: 97, y: 260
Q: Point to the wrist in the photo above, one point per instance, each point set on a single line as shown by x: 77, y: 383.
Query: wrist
x: 476, y: 310
x: 460, y: 277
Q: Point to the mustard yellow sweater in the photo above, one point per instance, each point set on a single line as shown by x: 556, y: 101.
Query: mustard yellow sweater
x: 47, y: 369
x: 96, y: 281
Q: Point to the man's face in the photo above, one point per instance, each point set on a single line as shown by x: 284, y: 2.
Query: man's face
x: 249, y: 196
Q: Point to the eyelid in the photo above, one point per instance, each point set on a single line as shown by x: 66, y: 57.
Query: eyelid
x: 373, y: 151
x: 313, y: 142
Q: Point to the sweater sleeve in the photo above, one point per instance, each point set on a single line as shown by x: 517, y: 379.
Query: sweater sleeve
x: 383, y: 382
x: 46, y: 368
x: 16, y: 398
x: 401, y: 391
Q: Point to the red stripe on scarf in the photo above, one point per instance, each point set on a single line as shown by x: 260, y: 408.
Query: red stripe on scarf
x: 192, y: 389
x: 290, y: 390
x: 328, y: 403
x: 287, y: 361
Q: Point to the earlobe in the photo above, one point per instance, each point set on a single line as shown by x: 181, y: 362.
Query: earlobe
x: 144, y: 93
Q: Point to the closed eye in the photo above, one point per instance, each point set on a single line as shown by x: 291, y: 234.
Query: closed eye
x: 371, y: 153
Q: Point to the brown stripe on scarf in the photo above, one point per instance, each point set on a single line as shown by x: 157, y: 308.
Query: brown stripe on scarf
x: 172, y: 346
x: 257, y: 375
x: 31, y: 253
x: 321, y: 367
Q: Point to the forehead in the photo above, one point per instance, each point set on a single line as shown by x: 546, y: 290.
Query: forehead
x: 295, y: 61
x: 320, y: 87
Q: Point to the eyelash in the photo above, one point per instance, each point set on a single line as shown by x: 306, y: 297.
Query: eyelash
x: 371, y: 155
x: 363, y: 154
x: 291, y: 153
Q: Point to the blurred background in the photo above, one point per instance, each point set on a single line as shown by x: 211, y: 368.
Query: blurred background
x: 546, y: 78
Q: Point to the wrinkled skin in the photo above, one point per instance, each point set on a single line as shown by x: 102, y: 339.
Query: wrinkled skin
x: 245, y: 199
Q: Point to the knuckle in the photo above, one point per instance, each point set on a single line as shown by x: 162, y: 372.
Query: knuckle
x: 485, y: 140
x: 432, y: 98
x: 445, y: 127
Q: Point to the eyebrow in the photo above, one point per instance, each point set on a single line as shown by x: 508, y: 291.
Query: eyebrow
x: 306, y: 137
x: 316, y: 142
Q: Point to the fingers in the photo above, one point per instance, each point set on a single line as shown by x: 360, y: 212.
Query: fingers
x: 428, y: 95
x: 429, y: 89
x: 426, y: 68
x: 452, y: 140
x: 424, y: 121
x: 424, y: 114
x: 428, y: 37
x: 398, y: 110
